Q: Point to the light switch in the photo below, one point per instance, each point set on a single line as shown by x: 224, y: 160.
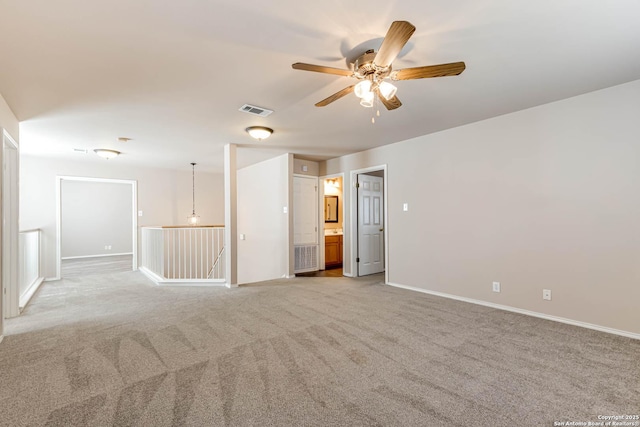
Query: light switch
x: 139, y: 213
x: 405, y: 207
x: 285, y: 210
x: 242, y: 237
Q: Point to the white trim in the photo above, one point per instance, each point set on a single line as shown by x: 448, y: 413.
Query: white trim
x: 522, y: 311
x: 10, y: 216
x: 134, y: 214
x: 160, y: 281
x: 95, y: 256
x: 353, y: 220
x: 1, y: 338
x: 30, y: 292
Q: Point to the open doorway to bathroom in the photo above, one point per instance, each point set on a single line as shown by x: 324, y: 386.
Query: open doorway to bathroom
x: 332, y: 220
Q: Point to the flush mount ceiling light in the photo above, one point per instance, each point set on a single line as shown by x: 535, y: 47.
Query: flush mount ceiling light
x: 259, y: 132
x: 106, y: 154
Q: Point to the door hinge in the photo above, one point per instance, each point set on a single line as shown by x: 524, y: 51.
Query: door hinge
x: 357, y: 259
x: 357, y: 185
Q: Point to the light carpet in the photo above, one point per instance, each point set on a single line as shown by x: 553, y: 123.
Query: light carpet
x: 113, y: 349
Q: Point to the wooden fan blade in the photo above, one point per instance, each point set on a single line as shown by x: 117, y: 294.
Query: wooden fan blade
x: 391, y: 104
x: 441, y: 70
x: 322, y: 69
x: 335, y: 96
x: 397, y: 36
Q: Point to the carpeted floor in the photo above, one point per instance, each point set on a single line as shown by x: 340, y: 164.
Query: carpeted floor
x: 115, y: 350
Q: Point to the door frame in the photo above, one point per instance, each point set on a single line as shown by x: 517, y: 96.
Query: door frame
x: 321, y: 179
x: 353, y: 217
x: 11, y: 297
x: 134, y: 205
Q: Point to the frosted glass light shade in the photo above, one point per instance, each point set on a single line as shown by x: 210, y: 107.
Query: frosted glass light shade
x: 363, y: 88
x: 106, y: 154
x: 259, y: 132
x: 193, y: 219
x: 387, y: 90
x: 367, y: 100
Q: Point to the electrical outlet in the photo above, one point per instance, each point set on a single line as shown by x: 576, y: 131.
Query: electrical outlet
x: 106, y: 247
x: 242, y: 236
x: 109, y: 247
x: 546, y: 294
x: 405, y: 207
x: 496, y: 286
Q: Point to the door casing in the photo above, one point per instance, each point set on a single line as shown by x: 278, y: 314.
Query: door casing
x: 353, y: 217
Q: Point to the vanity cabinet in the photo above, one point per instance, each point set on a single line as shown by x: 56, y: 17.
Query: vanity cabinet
x: 333, y: 251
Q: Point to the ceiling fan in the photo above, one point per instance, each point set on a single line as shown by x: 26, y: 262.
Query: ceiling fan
x: 373, y: 69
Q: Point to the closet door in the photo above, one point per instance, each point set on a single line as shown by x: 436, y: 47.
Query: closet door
x: 305, y: 210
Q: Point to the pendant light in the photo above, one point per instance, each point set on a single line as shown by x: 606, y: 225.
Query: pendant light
x: 193, y: 219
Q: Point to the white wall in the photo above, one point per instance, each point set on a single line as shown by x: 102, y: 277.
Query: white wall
x: 164, y: 195
x: 9, y: 122
x: 263, y: 193
x: 96, y: 215
x: 547, y: 197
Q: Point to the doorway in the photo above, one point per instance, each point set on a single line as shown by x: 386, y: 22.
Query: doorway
x: 331, y: 232
x: 96, y: 225
x: 368, y: 218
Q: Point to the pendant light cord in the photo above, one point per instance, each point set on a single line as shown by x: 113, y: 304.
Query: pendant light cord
x: 193, y: 186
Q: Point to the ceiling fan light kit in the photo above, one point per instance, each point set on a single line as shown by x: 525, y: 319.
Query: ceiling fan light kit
x: 259, y: 132
x: 373, y: 68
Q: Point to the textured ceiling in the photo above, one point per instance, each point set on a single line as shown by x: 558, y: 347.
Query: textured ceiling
x: 172, y: 75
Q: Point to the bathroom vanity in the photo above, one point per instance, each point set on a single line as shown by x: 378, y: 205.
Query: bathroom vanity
x: 332, y: 250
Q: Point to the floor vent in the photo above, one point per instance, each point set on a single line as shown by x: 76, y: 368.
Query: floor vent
x: 306, y: 258
x: 257, y: 111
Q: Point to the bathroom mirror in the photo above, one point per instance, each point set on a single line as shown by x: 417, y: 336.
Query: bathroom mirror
x: 330, y: 208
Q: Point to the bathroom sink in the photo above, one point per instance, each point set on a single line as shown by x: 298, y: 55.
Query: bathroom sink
x: 333, y: 232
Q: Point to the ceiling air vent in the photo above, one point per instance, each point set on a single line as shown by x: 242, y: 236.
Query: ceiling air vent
x: 257, y: 111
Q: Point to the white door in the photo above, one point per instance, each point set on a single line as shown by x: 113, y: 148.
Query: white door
x: 370, y: 225
x: 305, y: 223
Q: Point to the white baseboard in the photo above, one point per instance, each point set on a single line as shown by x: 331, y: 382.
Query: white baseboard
x: 1, y: 338
x: 161, y: 281
x: 95, y: 256
x: 230, y: 285
x: 521, y: 311
x: 51, y: 279
x: 26, y: 297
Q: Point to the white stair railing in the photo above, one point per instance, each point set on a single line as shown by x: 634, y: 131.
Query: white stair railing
x: 184, y: 255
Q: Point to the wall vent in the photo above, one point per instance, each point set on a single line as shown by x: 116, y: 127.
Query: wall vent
x: 306, y: 258
x: 257, y: 111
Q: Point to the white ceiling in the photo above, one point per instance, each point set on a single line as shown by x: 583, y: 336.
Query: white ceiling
x: 171, y: 75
